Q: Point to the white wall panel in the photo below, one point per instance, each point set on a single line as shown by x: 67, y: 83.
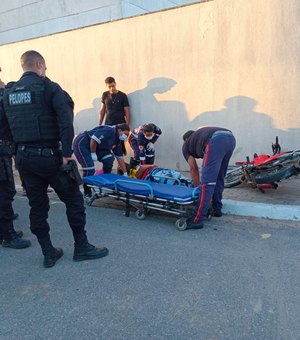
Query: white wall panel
x: 20, y: 20
x: 232, y: 63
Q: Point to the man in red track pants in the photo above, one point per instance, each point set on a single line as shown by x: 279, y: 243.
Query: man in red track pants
x: 215, y: 146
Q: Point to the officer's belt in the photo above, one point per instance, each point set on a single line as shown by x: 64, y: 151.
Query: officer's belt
x: 4, y: 142
x: 44, y: 152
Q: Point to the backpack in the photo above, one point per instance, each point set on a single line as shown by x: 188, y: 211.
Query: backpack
x: 167, y: 176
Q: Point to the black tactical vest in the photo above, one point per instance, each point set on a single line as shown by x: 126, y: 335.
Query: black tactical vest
x: 29, y: 117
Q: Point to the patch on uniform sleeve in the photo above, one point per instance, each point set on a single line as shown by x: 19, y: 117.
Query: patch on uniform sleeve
x: 20, y: 98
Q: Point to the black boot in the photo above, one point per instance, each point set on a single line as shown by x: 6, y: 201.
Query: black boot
x: 13, y: 240
x: 50, y: 259
x: 190, y: 224
x: 51, y: 254
x: 18, y: 232
x: 89, y: 252
x: 217, y: 213
x: 85, y: 251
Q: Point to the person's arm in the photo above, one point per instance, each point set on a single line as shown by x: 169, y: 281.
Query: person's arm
x: 118, y: 153
x: 141, y: 142
x: 127, y: 114
x: 102, y: 114
x: 142, y: 169
x: 64, y: 118
x: 122, y: 165
x: 93, y: 145
x: 194, y: 171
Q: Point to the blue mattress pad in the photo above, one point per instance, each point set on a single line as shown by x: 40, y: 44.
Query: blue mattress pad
x: 118, y: 183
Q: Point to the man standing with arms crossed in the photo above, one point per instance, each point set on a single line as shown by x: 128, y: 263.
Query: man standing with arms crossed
x: 41, y: 120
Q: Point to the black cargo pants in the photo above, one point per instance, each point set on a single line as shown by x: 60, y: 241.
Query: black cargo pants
x: 40, y: 167
x: 7, y: 190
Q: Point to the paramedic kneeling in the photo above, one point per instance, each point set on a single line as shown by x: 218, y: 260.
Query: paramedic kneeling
x: 215, y: 146
x: 102, y: 144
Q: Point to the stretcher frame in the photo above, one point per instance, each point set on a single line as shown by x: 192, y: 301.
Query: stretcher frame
x: 143, y: 204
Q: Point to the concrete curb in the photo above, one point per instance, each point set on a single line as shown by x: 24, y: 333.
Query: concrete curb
x: 273, y: 211
x: 252, y: 209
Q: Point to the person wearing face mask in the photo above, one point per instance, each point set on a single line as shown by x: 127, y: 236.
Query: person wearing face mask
x: 40, y: 119
x: 102, y: 143
x: 142, y: 141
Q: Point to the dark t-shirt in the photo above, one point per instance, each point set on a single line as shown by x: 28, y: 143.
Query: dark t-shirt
x: 115, y: 104
x: 195, y: 145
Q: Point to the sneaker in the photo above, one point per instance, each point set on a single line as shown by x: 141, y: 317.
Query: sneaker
x: 89, y: 252
x: 50, y: 260
x: 16, y: 243
x: 190, y: 224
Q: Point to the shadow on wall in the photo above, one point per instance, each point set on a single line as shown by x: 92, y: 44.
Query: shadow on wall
x: 254, y: 131
x: 88, y: 118
x: 169, y: 115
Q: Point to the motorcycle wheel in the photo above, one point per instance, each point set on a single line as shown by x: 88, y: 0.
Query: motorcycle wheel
x: 274, y: 174
x: 233, y: 177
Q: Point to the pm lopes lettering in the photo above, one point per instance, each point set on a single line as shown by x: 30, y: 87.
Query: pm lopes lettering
x: 20, y: 98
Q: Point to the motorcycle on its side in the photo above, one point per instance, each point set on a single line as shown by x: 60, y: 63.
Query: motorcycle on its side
x: 264, y: 171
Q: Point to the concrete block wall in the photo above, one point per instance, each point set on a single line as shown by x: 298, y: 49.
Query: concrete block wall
x: 232, y: 63
x: 26, y: 19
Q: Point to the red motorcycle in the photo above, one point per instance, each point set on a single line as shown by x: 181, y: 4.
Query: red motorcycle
x: 264, y: 171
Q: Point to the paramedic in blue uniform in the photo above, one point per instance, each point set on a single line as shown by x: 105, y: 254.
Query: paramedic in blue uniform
x: 115, y: 105
x: 215, y: 146
x: 41, y: 123
x: 103, y: 144
x: 142, y: 141
x: 8, y: 236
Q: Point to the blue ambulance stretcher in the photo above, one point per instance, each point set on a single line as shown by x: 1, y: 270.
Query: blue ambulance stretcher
x: 144, y: 195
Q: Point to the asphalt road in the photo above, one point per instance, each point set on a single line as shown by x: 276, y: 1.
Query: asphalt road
x: 238, y: 278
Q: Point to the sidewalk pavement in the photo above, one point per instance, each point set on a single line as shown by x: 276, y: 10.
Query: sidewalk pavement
x: 282, y: 203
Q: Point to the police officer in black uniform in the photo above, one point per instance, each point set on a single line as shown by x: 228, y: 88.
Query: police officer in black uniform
x: 8, y: 236
x: 41, y: 123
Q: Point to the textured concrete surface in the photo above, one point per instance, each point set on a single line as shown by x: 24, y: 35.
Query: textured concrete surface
x: 235, y: 279
x: 282, y: 203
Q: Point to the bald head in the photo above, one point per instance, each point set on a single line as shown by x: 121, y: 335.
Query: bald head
x: 33, y: 61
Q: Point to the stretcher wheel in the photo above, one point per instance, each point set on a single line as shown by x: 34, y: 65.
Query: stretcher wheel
x: 181, y: 224
x: 89, y: 201
x: 209, y: 214
x: 140, y: 215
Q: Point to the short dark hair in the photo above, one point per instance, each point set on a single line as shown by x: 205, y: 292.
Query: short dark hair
x: 187, y: 134
x: 109, y: 80
x: 29, y: 58
x: 123, y: 127
x: 148, y: 128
